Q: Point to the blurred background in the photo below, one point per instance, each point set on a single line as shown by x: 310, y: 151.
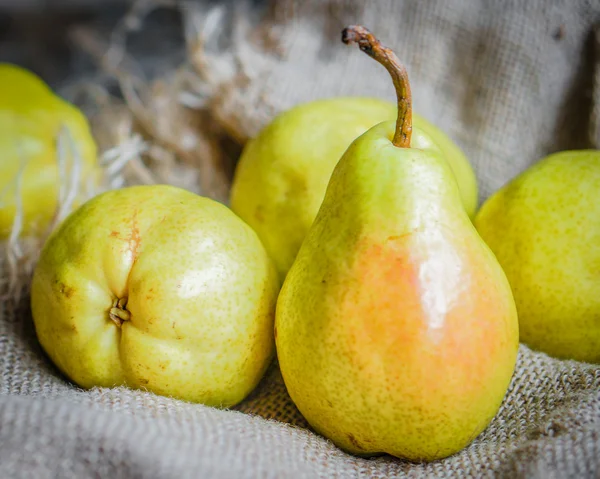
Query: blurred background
x: 36, y: 34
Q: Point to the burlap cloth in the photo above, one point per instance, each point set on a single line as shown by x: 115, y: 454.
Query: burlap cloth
x: 510, y: 81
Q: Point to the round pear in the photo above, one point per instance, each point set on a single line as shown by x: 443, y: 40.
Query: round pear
x: 32, y: 121
x: 156, y: 288
x: 544, y: 228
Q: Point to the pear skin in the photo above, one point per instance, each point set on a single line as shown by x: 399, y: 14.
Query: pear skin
x: 396, y: 329
x: 544, y: 228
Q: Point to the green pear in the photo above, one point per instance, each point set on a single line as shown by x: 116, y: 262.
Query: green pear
x: 544, y: 228
x: 396, y: 330
x: 282, y: 174
x: 156, y: 288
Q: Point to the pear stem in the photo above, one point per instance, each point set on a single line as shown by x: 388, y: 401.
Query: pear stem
x: 118, y: 314
x: 369, y: 44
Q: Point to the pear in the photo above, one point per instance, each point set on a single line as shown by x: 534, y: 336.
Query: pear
x: 34, y: 124
x: 396, y: 330
x: 544, y: 228
x: 282, y: 174
x: 154, y: 287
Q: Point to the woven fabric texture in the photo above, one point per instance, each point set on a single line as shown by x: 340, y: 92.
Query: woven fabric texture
x: 510, y: 82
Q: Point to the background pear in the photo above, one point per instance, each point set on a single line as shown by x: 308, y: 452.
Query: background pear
x: 282, y: 175
x: 544, y: 228
x: 396, y: 330
x: 32, y: 121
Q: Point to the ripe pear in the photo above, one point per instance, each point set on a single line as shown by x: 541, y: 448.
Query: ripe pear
x: 157, y: 288
x: 396, y: 330
x: 282, y: 174
x: 32, y: 119
x: 544, y: 228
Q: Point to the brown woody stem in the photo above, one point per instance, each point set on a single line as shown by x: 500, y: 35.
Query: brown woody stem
x: 118, y: 313
x: 369, y: 44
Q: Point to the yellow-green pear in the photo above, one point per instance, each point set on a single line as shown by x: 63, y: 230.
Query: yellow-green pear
x: 282, y: 174
x: 157, y: 288
x: 396, y: 330
x: 35, y: 123
x: 544, y: 228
